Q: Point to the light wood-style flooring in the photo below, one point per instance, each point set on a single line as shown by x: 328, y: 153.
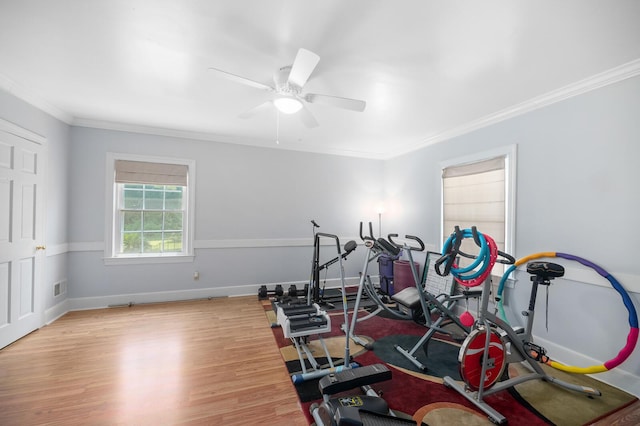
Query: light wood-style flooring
x: 208, y: 362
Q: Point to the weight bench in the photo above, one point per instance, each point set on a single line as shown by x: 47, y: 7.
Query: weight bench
x: 300, y: 321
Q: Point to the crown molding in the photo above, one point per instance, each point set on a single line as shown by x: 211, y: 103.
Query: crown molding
x: 31, y: 98
x: 611, y: 76
x: 212, y: 137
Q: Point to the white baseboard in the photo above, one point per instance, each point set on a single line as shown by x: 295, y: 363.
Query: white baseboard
x: 617, y: 377
x: 55, y: 312
x: 98, y: 302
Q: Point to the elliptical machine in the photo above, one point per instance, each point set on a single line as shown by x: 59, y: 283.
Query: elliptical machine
x: 368, y: 408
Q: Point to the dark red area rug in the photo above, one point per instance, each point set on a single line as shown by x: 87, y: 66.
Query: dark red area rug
x: 426, y: 399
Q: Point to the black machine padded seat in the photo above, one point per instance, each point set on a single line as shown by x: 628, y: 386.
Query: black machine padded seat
x: 545, y: 270
x: 408, y: 297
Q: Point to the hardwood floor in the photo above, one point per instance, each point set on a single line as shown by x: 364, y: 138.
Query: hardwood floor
x: 209, y: 362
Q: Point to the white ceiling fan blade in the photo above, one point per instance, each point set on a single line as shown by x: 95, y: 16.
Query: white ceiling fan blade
x: 307, y: 118
x: 256, y: 110
x: 336, y: 101
x: 242, y: 80
x: 302, y: 67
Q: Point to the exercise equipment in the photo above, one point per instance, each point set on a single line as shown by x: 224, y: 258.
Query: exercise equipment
x: 375, y: 247
x: 265, y: 293
x: 300, y: 322
x: 315, y: 293
x: 493, y: 343
x: 385, y: 272
x: 367, y: 409
x: 342, y: 379
x: 632, y: 337
x: 432, y: 294
x: 293, y: 290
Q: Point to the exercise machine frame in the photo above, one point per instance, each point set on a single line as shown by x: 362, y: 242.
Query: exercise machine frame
x: 503, y: 345
x: 442, y: 303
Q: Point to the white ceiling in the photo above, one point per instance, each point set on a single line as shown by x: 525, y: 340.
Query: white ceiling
x: 427, y: 69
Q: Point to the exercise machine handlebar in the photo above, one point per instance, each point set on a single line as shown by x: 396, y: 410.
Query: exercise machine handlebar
x: 367, y: 237
x: 406, y: 246
x: 379, y: 245
x: 451, y: 251
x: 332, y: 236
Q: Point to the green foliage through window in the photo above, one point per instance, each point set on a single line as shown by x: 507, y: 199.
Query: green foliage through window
x: 151, y: 218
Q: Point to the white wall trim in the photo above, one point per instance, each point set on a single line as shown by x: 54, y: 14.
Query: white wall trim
x: 617, y: 377
x: 631, y: 283
x: 614, y: 75
x: 14, y: 129
x: 99, y: 302
x: 265, y: 242
x: 57, y: 249
x: 253, y: 243
x: 226, y: 243
x: 29, y: 97
x: 56, y: 311
x: 213, y: 137
x: 87, y: 246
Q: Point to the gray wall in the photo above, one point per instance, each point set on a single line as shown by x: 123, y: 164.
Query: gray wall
x: 577, y: 178
x: 252, y: 218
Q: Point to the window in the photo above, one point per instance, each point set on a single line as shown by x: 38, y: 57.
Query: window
x: 151, y: 209
x: 479, y: 191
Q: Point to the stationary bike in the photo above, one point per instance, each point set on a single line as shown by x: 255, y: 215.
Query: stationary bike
x: 493, y: 343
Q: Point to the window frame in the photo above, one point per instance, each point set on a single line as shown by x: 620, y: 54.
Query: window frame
x: 510, y: 161
x: 111, y: 257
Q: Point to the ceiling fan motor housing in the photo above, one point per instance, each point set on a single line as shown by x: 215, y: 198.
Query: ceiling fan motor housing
x: 281, y: 80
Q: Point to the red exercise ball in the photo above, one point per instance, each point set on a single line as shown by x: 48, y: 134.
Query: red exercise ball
x: 467, y: 319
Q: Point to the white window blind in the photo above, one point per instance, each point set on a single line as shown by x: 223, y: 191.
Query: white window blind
x: 150, y: 209
x: 474, y: 195
x: 143, y: 172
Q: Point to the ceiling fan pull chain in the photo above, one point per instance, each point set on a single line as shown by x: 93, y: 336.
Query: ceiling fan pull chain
x: 277, y: 127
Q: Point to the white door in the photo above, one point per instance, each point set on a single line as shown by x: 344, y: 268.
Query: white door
x: 21, y: 227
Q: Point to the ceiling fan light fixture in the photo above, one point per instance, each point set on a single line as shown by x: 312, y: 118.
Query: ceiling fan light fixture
x: 287, y: 104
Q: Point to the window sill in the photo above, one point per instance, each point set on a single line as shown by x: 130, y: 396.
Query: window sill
x: 141, y: 260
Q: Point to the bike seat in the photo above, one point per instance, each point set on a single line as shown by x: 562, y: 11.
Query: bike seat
x: 545, y: 270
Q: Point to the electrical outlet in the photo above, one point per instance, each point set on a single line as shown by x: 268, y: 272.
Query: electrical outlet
x: 196, y: 276
x: 57, y: 289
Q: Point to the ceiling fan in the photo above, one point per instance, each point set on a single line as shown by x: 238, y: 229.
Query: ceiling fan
x: 287, y: 89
